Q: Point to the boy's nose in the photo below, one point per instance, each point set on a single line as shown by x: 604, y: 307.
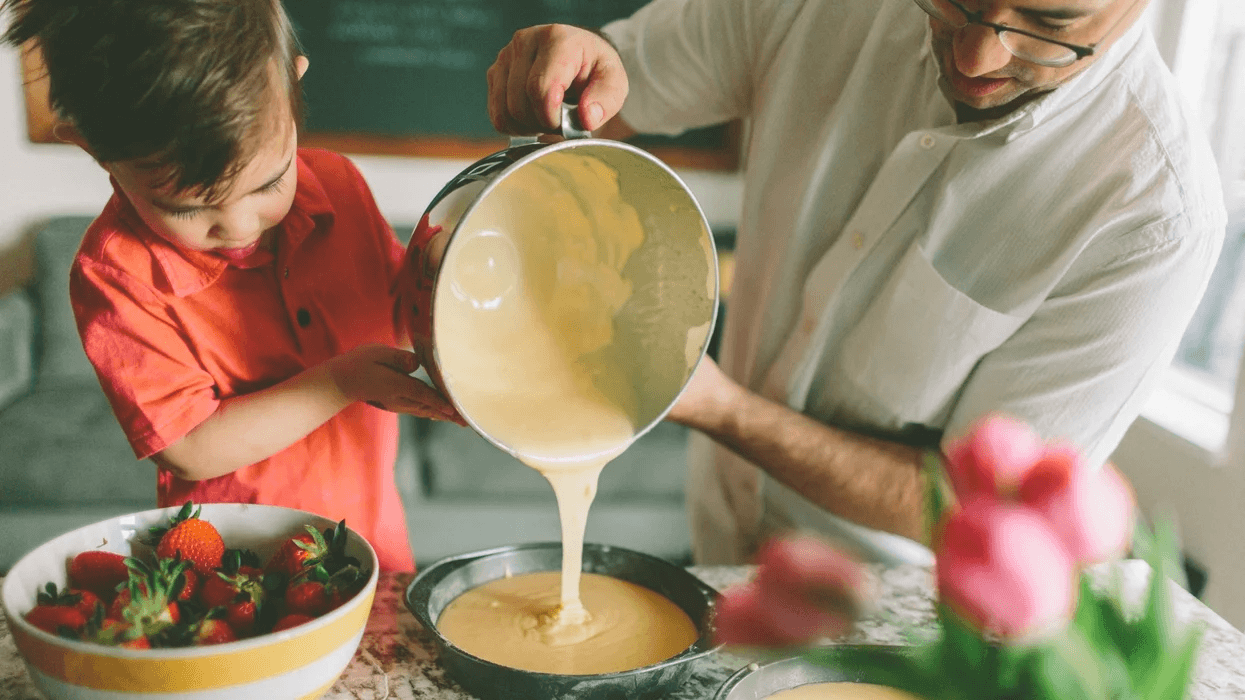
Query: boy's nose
x: 237, y: 225
x: 978, y: 51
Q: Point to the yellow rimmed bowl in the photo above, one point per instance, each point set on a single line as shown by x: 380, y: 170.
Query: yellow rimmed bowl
x: 302, y: 662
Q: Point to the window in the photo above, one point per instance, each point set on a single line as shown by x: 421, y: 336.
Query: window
x: 1210, y: 66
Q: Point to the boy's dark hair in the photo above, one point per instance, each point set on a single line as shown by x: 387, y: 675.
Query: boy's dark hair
x: 178, y: 86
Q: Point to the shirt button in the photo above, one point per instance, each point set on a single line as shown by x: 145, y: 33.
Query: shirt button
x: 304, y: 318
x: 858, y: 240
x: 286, y: 273
x: 927, y: 141
x: 807, y: 326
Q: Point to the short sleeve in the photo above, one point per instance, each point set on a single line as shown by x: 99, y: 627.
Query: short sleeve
x: 691, y: 63
x: 144, y: 362
x: 1081, y: 368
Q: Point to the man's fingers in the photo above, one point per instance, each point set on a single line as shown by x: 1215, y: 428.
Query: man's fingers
x: 518, y: 110
x: 604, y: 94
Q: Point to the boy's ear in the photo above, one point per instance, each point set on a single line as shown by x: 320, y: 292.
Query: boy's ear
x: 66, y: 132
x: 300, y: 65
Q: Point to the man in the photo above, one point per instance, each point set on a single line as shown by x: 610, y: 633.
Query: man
x: 950, y: 210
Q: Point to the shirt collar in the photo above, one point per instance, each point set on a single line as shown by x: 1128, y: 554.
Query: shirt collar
x: 1040, y: 110
x: 189, y: 271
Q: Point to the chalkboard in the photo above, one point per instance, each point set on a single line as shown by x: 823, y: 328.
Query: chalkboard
x: 408, y: 76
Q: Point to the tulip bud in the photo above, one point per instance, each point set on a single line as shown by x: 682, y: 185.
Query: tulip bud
x: 1002, y: 568
x: 993, y: 458
x: 1091, y: 510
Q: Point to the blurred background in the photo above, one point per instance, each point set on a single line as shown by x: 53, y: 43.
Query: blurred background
x: 398, y: 85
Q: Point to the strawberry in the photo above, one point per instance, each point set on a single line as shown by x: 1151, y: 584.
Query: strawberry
x: 308, y: 598
x: 99, y: 572
x: 118, y: 634
x: 213, y: 631
x: 303, y: 552
x: 297, y: 553
x: 136, y: 643
x: 291, y: 620
x: 147, y: 603
x: 234, y: 578
x: 183, y: 583
x: 84, y: 601
x: 241, y: 616
x: 190, y: 585
x: 57, y: 619
x: 196, y: 540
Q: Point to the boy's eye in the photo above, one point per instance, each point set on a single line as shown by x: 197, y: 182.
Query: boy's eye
x: 184, y: 213
x: 273, y: 186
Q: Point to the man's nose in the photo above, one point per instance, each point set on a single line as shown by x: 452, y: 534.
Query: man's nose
x: 978, y: 51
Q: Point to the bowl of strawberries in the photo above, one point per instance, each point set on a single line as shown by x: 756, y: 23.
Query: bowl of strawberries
x: 223, y: 600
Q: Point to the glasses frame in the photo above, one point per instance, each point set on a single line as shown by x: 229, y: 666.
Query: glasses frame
x: 978, y: 18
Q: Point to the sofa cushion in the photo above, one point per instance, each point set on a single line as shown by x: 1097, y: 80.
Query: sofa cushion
x: 60, y: 354
x: 17, y: 323
x: 62, y: 445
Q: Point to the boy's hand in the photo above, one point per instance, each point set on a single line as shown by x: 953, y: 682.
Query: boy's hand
x: 379, y: 375
x: 538, y: 68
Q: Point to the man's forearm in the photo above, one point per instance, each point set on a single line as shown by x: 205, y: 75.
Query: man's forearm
x: 873, y: 482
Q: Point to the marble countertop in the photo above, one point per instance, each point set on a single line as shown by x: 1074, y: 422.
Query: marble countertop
x: 398, y: 660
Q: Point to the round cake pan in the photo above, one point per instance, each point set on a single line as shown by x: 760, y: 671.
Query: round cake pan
x: 434, y: 588
x: 757, y: 681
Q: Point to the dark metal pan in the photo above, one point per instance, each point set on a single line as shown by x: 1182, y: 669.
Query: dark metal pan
x: 434, y: 588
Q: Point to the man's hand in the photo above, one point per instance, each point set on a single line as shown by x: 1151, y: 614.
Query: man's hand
x: 540, y: 66
x: 709, y: 395
x: 379, y: 375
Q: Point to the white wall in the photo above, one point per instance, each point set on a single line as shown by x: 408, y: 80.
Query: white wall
x: 38, y: 181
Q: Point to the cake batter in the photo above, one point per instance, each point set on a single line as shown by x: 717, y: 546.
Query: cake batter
x: 506, y: 622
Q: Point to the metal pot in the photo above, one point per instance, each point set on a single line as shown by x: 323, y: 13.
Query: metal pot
x: 435, y: 587
x: 851, y: 663
x: 662, y: 331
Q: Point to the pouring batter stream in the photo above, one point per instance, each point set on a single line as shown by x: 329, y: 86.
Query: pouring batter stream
x: 528, y: 349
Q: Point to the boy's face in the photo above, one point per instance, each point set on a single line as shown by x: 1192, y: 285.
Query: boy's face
x: 259, y: 198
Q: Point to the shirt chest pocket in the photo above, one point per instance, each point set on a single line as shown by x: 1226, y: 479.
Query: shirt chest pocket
x: 915, y: 345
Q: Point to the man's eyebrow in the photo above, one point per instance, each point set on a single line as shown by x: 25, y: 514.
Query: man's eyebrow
x: 1059, y: 13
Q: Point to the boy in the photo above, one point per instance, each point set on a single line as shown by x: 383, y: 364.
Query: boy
x: 236, y: 295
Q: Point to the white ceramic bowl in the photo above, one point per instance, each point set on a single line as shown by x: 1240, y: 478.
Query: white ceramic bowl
x: 302, y: 662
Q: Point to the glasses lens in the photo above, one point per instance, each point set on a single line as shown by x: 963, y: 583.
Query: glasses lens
x: 944, y: 12
x: 1038, y: 51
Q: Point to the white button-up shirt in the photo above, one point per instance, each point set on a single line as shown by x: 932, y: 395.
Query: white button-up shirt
x: 901, y: 275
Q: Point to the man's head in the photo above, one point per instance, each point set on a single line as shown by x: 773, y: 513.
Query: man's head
x: 185, y: 102
x: 978, y: 55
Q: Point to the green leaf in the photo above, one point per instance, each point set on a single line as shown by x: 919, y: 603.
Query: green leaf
x: 1172, y: 680
x: 938, y: 494
x: 1069, y: 669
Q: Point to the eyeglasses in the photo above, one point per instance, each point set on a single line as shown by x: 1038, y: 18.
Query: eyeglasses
x: 1024, y: 45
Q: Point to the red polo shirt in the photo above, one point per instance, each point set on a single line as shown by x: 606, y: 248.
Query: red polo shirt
x: 173, y: 332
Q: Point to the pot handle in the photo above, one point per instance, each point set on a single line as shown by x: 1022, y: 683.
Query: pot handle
x: 571, y: 127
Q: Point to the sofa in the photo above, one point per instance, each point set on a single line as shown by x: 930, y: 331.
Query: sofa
x: 64, y: 461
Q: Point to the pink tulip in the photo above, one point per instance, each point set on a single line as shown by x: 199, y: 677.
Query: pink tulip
x: 1002, y: 568
x: 993, y: 458
x: 804, y: 589
x: 1091, y: 510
